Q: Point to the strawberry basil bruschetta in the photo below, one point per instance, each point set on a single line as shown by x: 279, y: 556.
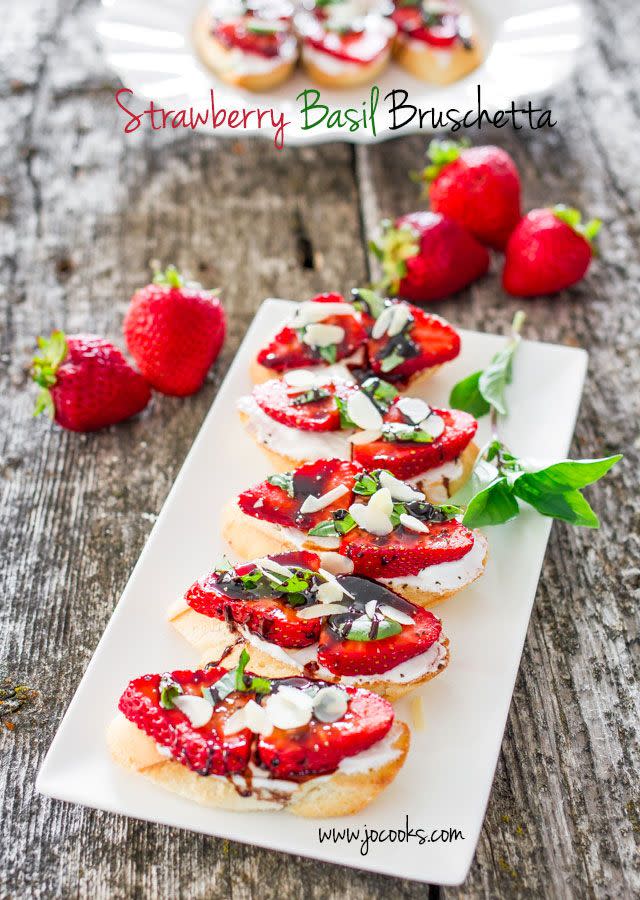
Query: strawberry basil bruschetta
x: 249, y: 43
x: 233, y: 740
x: 307, y: 416
x: 297, y: 618
x: 359, y: 522
x: 435, y: 40
x: 345, y: 43
x: 369, y: 334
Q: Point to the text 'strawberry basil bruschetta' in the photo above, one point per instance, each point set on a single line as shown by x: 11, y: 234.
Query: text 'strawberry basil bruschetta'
x: 297, y: 618
x: 362, y: 523
x: 370, y: 335
x: 345, y: 43
x: 435, y: 40
x: 306, y: 416
x: 249, y: 43
x: 232, y: 740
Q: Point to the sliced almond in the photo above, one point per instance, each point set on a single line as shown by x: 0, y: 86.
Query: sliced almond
x: 270, y: 565
x: 289, y: 708
x: 337, y: 564
x: 309, y: 312
x: 365, y: 437
x: 363, y: 411
x: 415, y: 409
x: 399, y: 490
x: 315, y: 504
x: 370, y: 608
x: 433, y: 425
x: 401, y: 316
x: 382, y: 501
x: 323, y: 335
x: 396, y: 615
x: 300, y: 378
x: 329, y: 592
x: 257, y: 719
x: 413, y: 524
x: 197, y: 710
x: 330, y: 704
x: 318, y: 610
x: 375, y: 521
x: 329, y: 576
x: 382, y: 323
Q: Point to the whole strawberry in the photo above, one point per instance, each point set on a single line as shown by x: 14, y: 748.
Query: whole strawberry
x: 427, y: 256
x: 549, y: 250
x: 174, y: 330
x: 479, y: 187
x: 85, y: 382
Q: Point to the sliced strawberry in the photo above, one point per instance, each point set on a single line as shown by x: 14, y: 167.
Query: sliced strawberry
x: 206, y: 750
x: 348, y: 657
x: 275, y: 504
x: 320, y: 746
x: 405, y: 552
x: 262, y: 610
x: 288, y: 406
x: 406, y: 459
x: 432, y: 341
x: 286, y: 351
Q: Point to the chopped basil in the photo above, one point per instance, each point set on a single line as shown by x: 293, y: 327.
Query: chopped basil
x: 329, y: 353
x: 324, y: 529
x: 367, y: 483
x: 392, y: 361
x: 363, y: 628
x: 251, y: 579
x: 345, y: 421
x: 341, y: 523
x: 257, y: 27
x: 296, y: 584
x: 283, y: 480
x: 169, y: 690
x: 311, y: 396
x: 368, y: 301
x: 236, y: 680
x: 380, y: 392
x: 400, y: 431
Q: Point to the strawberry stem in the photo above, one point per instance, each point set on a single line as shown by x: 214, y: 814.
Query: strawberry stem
x: 573, y: 218
x: 44, y: 367
x: 394, y: 247
x: 171, y: 277
x: 440, y: 154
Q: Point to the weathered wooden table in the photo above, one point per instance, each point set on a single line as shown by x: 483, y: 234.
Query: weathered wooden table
x: 82, y: 211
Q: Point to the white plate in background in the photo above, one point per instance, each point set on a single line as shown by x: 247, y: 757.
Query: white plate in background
x: 531, y: 45
x: 446, y: 780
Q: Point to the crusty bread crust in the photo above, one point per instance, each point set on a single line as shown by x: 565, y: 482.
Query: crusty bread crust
x: 278, y: 462
x: 339, y: 794
x: 352, y: 76
x: 215, y: 641
x: 245, y: 536
x: 425, y: 62
x: 219, y: 58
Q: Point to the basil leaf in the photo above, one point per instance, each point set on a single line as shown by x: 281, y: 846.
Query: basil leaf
x: 345, y: 421
x: 329, y: 354
x: 493, y: 505
x: 467, y: 397
x: 169, y: 690
x: 345, y: 524
x: 399, y: 431
x: 283, y: 480
x: 496, y: 377
x: 361, y: 628
x: 391, y: 362
x: 295, y: 584
x: 380, y: 392
x: 366, y: 484
x: 450, y: 510
x: 324, y: 529
x: 251, y: 579
x: 570, y: 474
x: 374, y: 302
x: 311, y: 396
x: 217, y: 692
x: 569, y: 506
x: 249, y: 682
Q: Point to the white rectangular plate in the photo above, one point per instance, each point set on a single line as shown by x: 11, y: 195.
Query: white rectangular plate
x: 446, y: 780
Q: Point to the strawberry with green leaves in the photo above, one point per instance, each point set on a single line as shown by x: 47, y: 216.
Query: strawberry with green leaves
x: 478, y: 187
x: 549, y: 250
x: 85, y: 382
x: 174, y: 330
x: 427, y: 256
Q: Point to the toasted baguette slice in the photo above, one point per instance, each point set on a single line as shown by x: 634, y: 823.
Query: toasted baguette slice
x: 221, y: 60
x: 251, y: 538
x: 259, y: 374
x: 351, y: 74
x: 436, y: 66
x: 215, y: 641
x: 339, y: 794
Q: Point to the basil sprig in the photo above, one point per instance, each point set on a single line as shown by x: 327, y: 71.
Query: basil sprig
x: 236, y: 680
x: 553, y: 490
x: 479, y: 392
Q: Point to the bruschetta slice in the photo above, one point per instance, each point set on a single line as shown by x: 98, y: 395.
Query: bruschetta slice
x: 369, y: 334
x: 360, y: 522
x: 248, y: 44
x: 306, y: 416
x: 296, y: 618
x: 345, y: 43
x: 436, y: 40
x: 229, y: 739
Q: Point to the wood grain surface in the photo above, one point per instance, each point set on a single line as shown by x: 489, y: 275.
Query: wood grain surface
x: 83, y: 209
